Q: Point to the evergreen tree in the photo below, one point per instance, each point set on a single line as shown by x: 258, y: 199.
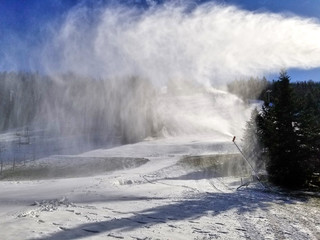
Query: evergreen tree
x: 309, y: 134
x: 251, y: 143
x: 277, y: 126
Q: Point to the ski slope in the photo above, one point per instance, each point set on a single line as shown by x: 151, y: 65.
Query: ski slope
x: 161, y: 198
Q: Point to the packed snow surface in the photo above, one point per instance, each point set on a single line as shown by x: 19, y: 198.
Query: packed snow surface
x: 159, y: 198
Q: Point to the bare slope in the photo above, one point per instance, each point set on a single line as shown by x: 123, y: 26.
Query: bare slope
x: 165, y: 198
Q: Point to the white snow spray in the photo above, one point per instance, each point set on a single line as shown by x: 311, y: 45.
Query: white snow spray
x: 156, y: 71
x: 210, y: 45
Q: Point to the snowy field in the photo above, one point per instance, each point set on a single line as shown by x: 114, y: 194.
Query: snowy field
x: 162, y: 189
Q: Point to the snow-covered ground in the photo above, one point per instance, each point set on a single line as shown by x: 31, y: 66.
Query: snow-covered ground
x: 154, y: 194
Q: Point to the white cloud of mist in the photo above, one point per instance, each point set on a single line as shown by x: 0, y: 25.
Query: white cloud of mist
x: 210, y: 44
x: 135, y: 54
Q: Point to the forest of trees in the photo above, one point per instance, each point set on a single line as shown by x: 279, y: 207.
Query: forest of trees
x: 285, y: 134
x: 19, y: 95
x: 72, y: 105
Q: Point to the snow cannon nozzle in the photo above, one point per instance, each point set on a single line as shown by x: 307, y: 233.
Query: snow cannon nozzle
x: 234, y: 138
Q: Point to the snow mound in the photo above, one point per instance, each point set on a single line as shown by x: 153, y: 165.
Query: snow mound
x: 50, y: 205
x: 46, y: 206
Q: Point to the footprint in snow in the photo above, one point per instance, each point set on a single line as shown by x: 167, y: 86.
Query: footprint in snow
x: 90, y: 230
x: 141, y: 222
x: 172, y: 226
x: 220, y: 223
x: 64, y: 228
x: 115, y: 236
x: 223, y: 232
x: 191, y: 221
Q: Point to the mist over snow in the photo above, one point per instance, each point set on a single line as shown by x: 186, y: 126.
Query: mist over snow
x: 123, y: 127
x: 131, y: 73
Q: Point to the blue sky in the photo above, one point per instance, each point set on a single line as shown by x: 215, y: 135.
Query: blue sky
x: 26, y: 20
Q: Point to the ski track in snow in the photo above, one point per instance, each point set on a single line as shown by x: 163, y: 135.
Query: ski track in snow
x: 152, y: 202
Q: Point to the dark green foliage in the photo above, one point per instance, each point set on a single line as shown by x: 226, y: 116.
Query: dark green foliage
x: 251, y: 144
x: 289, y: 129
x: 309, y: 132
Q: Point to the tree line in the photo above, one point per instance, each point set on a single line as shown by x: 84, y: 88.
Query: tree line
x: 284, y: 135
x: 95, y: 109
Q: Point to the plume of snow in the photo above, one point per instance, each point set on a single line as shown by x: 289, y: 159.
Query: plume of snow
x: 157, y: 68
x: 210, y: 44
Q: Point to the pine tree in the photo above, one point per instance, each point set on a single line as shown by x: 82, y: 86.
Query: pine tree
x: 251, y: 143
x: 309, y: 134
x: 277, y: 126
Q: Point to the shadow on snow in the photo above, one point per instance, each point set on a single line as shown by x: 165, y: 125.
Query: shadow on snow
x: 190, y: 208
